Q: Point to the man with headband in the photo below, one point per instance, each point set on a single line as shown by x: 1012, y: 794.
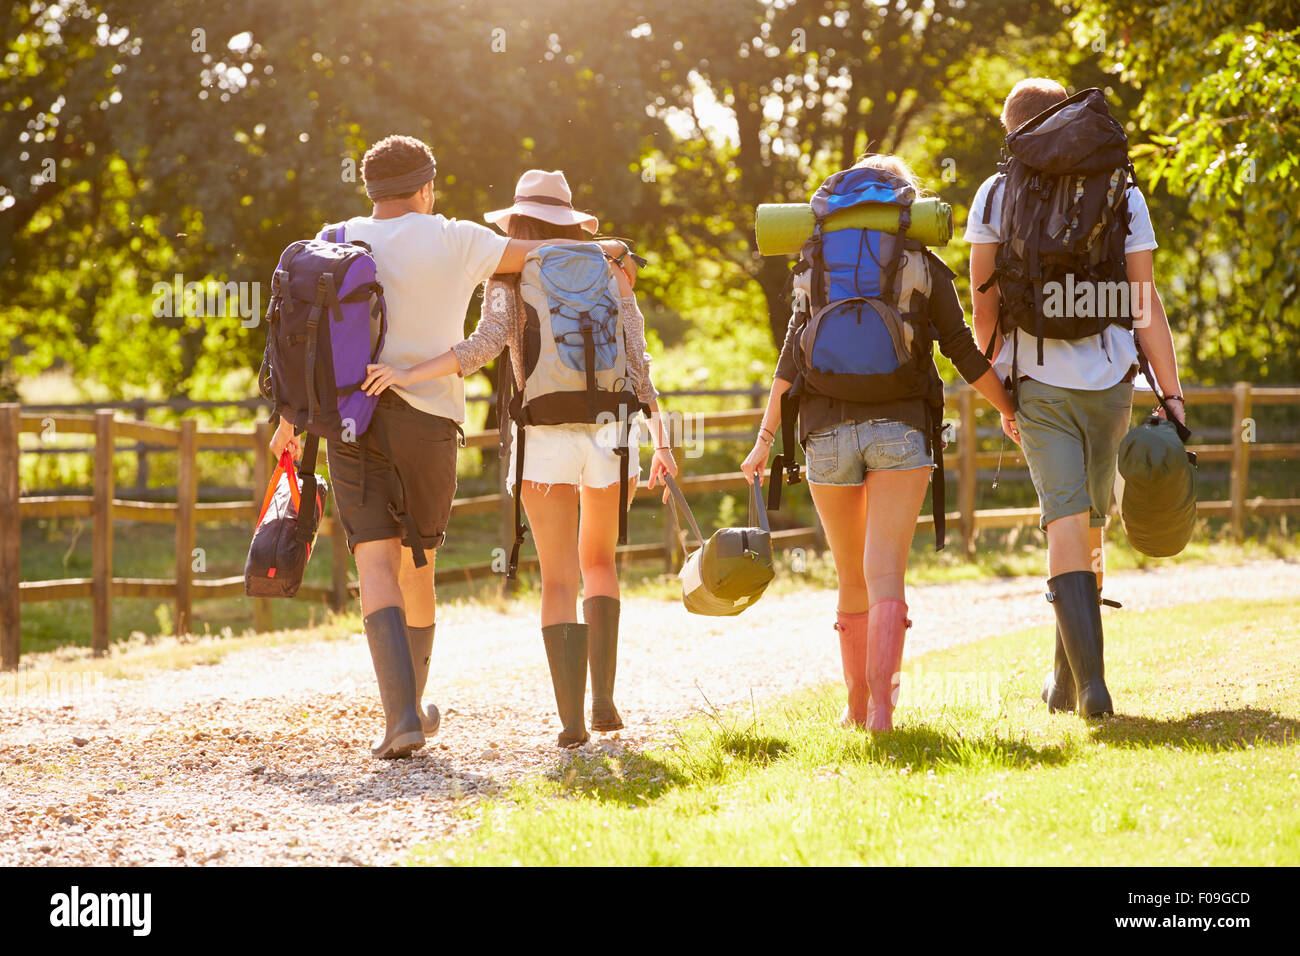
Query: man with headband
x: 429, y: 266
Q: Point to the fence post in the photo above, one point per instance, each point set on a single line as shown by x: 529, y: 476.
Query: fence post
x: 141, y: 455
x: 186, y: 494
x: 101, y: 588
x: 11, y: 540
x: 1240, y: 459
x: 967, y: 440
x: 262, y: 620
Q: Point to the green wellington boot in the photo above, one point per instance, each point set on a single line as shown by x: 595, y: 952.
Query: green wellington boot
x: 566, y: 653
x: 421, y: 641
x: 601, y: 615
x: 1077, y: 603
x: 390, y: 653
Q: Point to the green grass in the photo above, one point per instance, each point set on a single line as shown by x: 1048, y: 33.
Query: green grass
x: 1202, y: 768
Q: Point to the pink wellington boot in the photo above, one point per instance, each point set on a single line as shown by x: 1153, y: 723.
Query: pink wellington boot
x: 886, y: 630
x: 853, y: 655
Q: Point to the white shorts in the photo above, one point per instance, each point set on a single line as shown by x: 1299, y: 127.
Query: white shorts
x: 574, y: 455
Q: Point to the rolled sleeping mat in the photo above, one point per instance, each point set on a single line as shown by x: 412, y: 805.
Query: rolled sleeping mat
x: 782, y: 228
x: 1158, y: 499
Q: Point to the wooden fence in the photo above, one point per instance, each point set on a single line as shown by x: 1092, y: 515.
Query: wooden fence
x: 104, y: 507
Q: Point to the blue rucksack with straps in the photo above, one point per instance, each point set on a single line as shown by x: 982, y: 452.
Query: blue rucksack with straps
x: 861, y: 314
x: 859, y: 296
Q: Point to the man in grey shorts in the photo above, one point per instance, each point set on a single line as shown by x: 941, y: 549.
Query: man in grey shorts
x: 1074, y: 406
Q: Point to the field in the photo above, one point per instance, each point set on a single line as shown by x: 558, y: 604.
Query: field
x: 1201, y: 768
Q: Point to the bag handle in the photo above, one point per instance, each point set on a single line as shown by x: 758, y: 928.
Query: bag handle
x: 283, y: 467
x: 677, y: 502
x: 1144, y: 367
x: 757, y: 507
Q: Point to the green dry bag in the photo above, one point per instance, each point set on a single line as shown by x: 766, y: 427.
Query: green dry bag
x: 731, y: 570
x: 1158, y: 500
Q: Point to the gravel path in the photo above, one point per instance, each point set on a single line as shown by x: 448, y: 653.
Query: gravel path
x: 262, y: 758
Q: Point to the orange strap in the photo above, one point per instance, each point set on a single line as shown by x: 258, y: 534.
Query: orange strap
x: 283, y: 467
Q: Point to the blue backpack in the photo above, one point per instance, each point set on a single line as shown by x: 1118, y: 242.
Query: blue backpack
x: 575, y: 360
x: 860, y: 297
x: 861, y: 315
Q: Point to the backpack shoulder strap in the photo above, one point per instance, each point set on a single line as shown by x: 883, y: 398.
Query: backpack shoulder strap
x: 785, y: 466
x: 998, y: 180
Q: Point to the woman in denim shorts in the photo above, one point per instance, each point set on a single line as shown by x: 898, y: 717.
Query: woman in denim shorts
x: 868, y: 468
x: 571, y: 472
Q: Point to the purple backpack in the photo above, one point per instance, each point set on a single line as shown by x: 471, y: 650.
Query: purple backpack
x: 324, y: 294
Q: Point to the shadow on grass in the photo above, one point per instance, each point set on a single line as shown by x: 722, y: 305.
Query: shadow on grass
x: 1213, y: 730
x: 636, y: 779
x: 628, y: 777
x: 927, y: 747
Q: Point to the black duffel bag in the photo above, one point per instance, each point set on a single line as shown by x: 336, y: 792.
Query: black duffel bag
x: 282, y: 543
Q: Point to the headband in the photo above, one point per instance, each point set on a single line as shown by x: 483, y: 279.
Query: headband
x: 545, y: 201
x: 403, y: 184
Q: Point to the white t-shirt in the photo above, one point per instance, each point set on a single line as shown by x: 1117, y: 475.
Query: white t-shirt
x: 429, y: 267
x: 1091, y: 363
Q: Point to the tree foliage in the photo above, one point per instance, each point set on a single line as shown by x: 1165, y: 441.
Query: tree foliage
x: 1220, y: 107
x: 146, y: 141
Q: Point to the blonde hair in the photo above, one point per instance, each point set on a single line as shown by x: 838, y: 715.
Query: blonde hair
x: 1028, y: 98
x: 890, y: 164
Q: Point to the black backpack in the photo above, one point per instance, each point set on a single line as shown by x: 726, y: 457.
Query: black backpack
x: 1064, y: 184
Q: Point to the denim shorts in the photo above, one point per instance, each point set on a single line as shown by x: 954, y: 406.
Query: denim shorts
x: 844, y: 454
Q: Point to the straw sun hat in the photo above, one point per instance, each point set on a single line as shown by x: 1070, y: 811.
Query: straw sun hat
x: 544, y: 196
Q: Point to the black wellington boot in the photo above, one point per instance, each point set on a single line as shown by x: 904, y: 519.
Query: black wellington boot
x: 1077, y: 603
x: 566, y: 653
x: 1058, y: 686
x: 390, y: 652
x: 601, y: 615
x: 421, y: 641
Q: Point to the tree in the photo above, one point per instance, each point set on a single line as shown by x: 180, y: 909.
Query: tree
x: 200, y: 139
x: 1220, y: 108
x: 810, y: 86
